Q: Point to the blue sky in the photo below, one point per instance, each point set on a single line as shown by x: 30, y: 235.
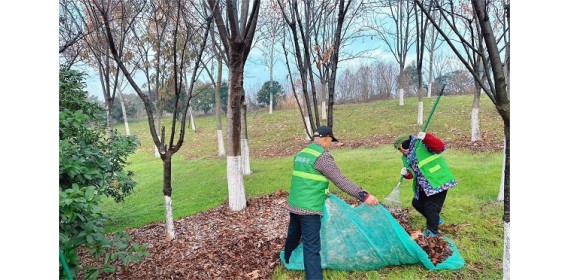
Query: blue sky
x: 256, y: 73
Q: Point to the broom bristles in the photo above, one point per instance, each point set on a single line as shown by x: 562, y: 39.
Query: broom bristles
x: 394, y: 198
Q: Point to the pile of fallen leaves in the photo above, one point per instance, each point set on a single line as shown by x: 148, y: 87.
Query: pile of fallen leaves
x: 223, y: 244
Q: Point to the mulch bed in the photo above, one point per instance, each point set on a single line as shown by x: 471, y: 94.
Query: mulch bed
x: 222, y: 244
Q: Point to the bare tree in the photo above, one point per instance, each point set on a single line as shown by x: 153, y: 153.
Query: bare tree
x: 218, y: 54
x: 216, y: 78
x: 337, y: 25
x: 97, y: 53
x: 388, y: 76
x: 236, y: 34
x: 269, y: 33
x: 443, y: 63
x: 344, y: 84
x: 433, y: 42
x: 318, y: 30
x: 393, y: 25
x: 493, y: 18
x: 149, y: 37
x: 421, y: 30
x: 188, y: 26
x: 72, y: 29
x: 464, y: 20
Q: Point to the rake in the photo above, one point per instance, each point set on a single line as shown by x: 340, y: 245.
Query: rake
x: 393, y: 199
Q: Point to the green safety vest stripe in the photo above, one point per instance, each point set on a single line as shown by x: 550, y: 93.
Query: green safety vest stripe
x: 310, y: 151
x: 310, y: 176
x: 428, y: 160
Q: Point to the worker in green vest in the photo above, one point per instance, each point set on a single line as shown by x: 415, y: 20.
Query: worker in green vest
x: 431, y: 176
x: 313, y: 167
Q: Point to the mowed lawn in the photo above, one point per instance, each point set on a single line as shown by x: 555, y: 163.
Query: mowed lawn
x: 199, y: 181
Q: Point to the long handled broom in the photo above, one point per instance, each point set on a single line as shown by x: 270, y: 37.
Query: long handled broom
x: 393, y: 199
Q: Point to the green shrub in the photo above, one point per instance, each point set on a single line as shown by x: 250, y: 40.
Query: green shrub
x: 91, y: 167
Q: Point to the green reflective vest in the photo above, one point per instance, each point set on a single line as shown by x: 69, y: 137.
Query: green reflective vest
x: 432, y: 166
x: 309, y: 188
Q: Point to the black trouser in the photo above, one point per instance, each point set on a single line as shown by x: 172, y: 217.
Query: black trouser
x: 306, y: 229
x: 430, y: 207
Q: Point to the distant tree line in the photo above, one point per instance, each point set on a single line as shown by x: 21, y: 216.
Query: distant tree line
x: 360, y: 84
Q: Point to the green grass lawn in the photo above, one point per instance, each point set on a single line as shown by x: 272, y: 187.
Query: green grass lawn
x: 199, y: 179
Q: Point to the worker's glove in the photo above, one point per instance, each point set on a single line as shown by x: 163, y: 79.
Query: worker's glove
x: 404, y: 172
x: 421, y: 135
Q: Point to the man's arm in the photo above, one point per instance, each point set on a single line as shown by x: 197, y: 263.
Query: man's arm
x: 326, y: 165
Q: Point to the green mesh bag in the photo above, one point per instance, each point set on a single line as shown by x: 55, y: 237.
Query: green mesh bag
x: 367, y: 238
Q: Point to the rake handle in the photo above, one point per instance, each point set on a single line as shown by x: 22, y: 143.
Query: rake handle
x: 426, y: 124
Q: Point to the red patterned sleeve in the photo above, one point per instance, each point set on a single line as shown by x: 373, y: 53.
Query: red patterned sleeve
x: 434, y: 144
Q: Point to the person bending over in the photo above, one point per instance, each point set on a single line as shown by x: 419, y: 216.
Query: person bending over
x: 431, y: 175
x: 313, y: 167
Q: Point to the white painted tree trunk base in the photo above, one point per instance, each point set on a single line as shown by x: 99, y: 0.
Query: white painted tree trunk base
x: 170, y: 233
x: 236, y: 191
x: 192, y: 121
x: 125, y: 120
x: 127, y: 128
x: 475, y: 130
x: 421, y: 113
x: 501, y: 196
x: 507, y: 252
x: 401, y: 95
x: 246, y: 168
x: 429, y: 91
x: 221, y: 148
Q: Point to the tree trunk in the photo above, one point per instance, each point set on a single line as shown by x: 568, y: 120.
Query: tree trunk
x: 109, y: 120
x: 420, y: 112
x: 122, y: 101
x: 236, y: 190
x: 475, y: 127
x: 507, y: 202
x: 506, y: 251
x: 309, y: 129
x: 400, y: 86
x: 221, y: 148
x: 191, y: 113
x: 271, y: 80
x: 501, y: 196
x: 323, y: 101
x: 157, y: 126
x: 430, y: 74
x: 246, y: 168
x: 420, y: 100
x: 167, y: 192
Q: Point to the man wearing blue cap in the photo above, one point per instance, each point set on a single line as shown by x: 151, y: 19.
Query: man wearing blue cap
x: 313, y: 167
